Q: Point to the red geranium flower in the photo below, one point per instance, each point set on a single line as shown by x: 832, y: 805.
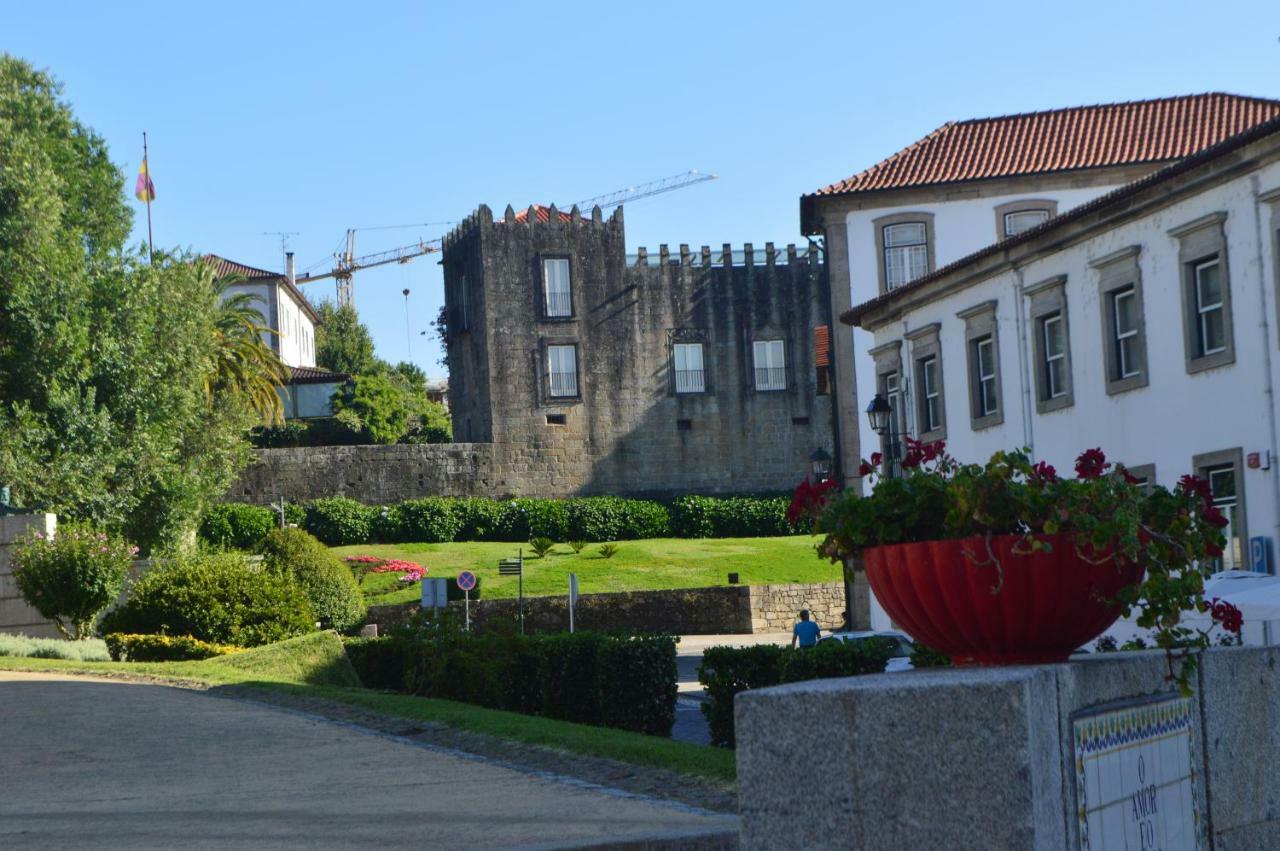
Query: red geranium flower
x: 1196, y: 485
x: 1091, y: 464
x: 1214, y: 516
x: 1124, y: 473
x: 1043, y: 472
x: 865, y: 469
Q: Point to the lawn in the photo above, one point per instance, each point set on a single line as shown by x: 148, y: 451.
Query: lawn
x: 654, y: 564
x: 316, y: 666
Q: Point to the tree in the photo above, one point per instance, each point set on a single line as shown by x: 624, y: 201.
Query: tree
x: 104, y: 356
x: 244, y: 365
x: 379, y: 403
x: 343, y: 343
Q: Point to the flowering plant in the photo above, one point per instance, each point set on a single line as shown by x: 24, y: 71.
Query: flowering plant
x: 1106, y: 513
x: 363, y: 565
x: 70, y: 577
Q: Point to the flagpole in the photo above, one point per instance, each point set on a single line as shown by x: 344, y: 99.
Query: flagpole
x: 151, y: 248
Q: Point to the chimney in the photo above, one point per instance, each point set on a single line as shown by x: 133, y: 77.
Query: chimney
x: 288, y: 267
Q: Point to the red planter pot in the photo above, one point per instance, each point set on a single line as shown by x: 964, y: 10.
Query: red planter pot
x: 940, y: 592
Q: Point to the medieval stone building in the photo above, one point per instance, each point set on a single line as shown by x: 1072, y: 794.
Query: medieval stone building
x: 591, y: 371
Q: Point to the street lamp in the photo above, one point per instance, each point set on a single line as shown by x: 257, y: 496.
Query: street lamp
x: 821, y: 460
x: 880, y: 414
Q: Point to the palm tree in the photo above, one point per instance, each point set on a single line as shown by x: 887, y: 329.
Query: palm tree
x: 244, y: 366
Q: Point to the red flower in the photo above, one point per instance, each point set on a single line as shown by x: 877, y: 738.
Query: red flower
x: 865, y: 469
x: 1224, y: 613
x: 1091, y: 464
x: 1124, y: 473
x: 1195, y: 485
x: 1212, y: 549
x: 876, y: 459
x: 933, y: 451
x: 1214, y: 516
x: 1043, y: 473
x: 914, y: 454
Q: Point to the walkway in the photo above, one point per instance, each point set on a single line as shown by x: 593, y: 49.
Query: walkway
x: 99, y: 763
x: 691, y: 724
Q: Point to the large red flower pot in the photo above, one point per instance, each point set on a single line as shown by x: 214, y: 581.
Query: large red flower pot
x: 1033, y: 608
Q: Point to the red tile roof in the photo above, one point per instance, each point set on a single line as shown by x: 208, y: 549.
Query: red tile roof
x: 822, y: 345
x: 1148, y: 131
x: 315, y: 375
x: 225, y: 268
x: 543, y: 215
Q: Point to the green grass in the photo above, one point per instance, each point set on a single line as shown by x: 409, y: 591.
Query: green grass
x: 654, y: 564
x: 315, y: 665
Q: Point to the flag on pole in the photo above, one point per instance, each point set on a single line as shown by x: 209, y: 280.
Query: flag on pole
x: 144, y: 189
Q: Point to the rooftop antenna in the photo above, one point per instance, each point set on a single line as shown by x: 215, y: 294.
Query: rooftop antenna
x: 284, y: 238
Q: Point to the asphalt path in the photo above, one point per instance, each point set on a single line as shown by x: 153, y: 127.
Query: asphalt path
x: 691, y: 724
x: 106, y: 764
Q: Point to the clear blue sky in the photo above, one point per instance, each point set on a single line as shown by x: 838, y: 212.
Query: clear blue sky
x: 319, y: 116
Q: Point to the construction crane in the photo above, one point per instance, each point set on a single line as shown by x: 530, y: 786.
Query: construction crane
x: 645, y: 190
x: 348, y: 264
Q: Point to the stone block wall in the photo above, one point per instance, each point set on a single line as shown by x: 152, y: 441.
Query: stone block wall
x: 727, y: 609
x: 15, y: 615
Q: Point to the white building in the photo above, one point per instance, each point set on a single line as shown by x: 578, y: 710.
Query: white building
x: 286, y: 310
x: 958, y: 191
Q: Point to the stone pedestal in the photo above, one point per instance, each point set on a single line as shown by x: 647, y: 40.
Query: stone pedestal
x: 987, y: 758
x: 15, y: 614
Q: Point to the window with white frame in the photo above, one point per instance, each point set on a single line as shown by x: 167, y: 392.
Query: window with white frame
x: 1124, y: 312
x: 1210, y: 318
x: 1023, y: 220
x: 562, y: 370
x: 1223, y: 487
x: 686, y: 361
x: 906, y: 253
x: 770, y: 365
x: 930, y: 394
x: 1055, y: 356
x: 984, y: 376
x: 891, y: 389
x: 555, y: 283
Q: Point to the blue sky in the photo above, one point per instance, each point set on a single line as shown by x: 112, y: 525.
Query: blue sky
x: 316, y: 117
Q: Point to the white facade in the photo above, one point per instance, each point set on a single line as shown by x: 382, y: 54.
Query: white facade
x: 1184, y: 411
x: 282, y: 310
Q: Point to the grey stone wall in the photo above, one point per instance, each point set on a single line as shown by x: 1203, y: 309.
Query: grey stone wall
x: 628, y: 432
x: 375, y: 475
x: 15, y: 615
x: 727, y: 609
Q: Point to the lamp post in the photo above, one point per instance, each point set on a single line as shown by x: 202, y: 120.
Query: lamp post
x: 880, y: 413
x: 821, y: 461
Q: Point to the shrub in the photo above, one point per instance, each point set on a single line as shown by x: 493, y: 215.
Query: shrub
x: 610, y: 518
x: 290, y: 433
x: 608, y: 550
x: 453, y: 592
x: 218, y: 598
x: 71, y: 576
x: 235, y: 525
x: 87, y: 650
x: 726, y: 671
x: 330, y: 588
x: 337, y: 520
x: 430, y: 521
x: 379, y: 403
x: 577, y: 546
x: 379, y: 662
x: 927, y: 657
x: 162, y: 648
x: 730, y: 517
x: 522, y: 519
x: 478, y: 519
x: 541, y: 546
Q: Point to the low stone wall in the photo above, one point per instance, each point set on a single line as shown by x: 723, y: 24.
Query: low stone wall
x: 727, y: 609
x: 1018, y: 757
x: 374, y: 475
x: 15, y: 615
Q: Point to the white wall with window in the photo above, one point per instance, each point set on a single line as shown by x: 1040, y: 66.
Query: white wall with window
x: 770, y: 364
x: 1154, y: 320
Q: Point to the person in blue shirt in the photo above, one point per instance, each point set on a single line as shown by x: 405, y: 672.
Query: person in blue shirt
x: 806, y: 632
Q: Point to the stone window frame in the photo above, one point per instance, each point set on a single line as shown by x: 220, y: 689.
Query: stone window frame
x: 1117, y: 272
x: 542, y: 287
x: 1235, y: 458
x: 544, y: 370
x: 671, y: 352
x: 1047, y: 204
x: 1200, y: 241
x: 980, y: 323
x: 888, y: 361
x: 925, y: 344
x: 1047, y: 298
x: 1147, y: 472
x: 878, y: 225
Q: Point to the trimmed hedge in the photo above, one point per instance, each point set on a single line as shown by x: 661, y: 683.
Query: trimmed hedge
x: 338, y: 521
x: 331, y: 589
x: 626, y: 682
x: 162, y: 648
x: 726, y: 671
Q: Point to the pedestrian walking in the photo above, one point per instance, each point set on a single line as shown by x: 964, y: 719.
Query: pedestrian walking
x: 806, y: 632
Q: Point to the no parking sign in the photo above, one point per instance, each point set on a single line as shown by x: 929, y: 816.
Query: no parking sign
x: 466, y: 580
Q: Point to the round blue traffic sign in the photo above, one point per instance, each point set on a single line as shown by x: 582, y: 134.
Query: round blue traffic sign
x: 466, y: 580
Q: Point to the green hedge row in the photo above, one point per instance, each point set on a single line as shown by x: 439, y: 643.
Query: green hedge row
x: 338, y: 520
x: 162, y: 648
x: 726, y: 671
x: 626, y: 682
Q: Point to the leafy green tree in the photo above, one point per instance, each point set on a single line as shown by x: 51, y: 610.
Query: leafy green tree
x: 104, y: 356
x: 343, y: 343
x: 379, y: 402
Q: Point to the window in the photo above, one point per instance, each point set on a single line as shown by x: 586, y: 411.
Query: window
x: 555, y: 284
x: 686, y: 361
x: 1208, y: 337
x: 1055, y: 356
x: 1224, y: 472
x: 1210, y: 334
x: 460, y: 318
x: 771, y: 373
x: 984, y: 362
x: 1023, y: 220
x: 906, y: 253
x: 562, y: 370
x: 930, y: 395
x: 890, y: 388
x: 1124, y: 312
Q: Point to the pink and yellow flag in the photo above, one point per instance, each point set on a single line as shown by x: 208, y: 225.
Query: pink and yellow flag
x: 144, y: 189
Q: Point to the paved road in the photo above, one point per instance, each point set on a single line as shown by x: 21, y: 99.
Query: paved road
x: 691, y: 724
x: 97, y: 763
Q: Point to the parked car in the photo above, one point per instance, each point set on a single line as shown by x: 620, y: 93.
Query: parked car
x: 899, y: 661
